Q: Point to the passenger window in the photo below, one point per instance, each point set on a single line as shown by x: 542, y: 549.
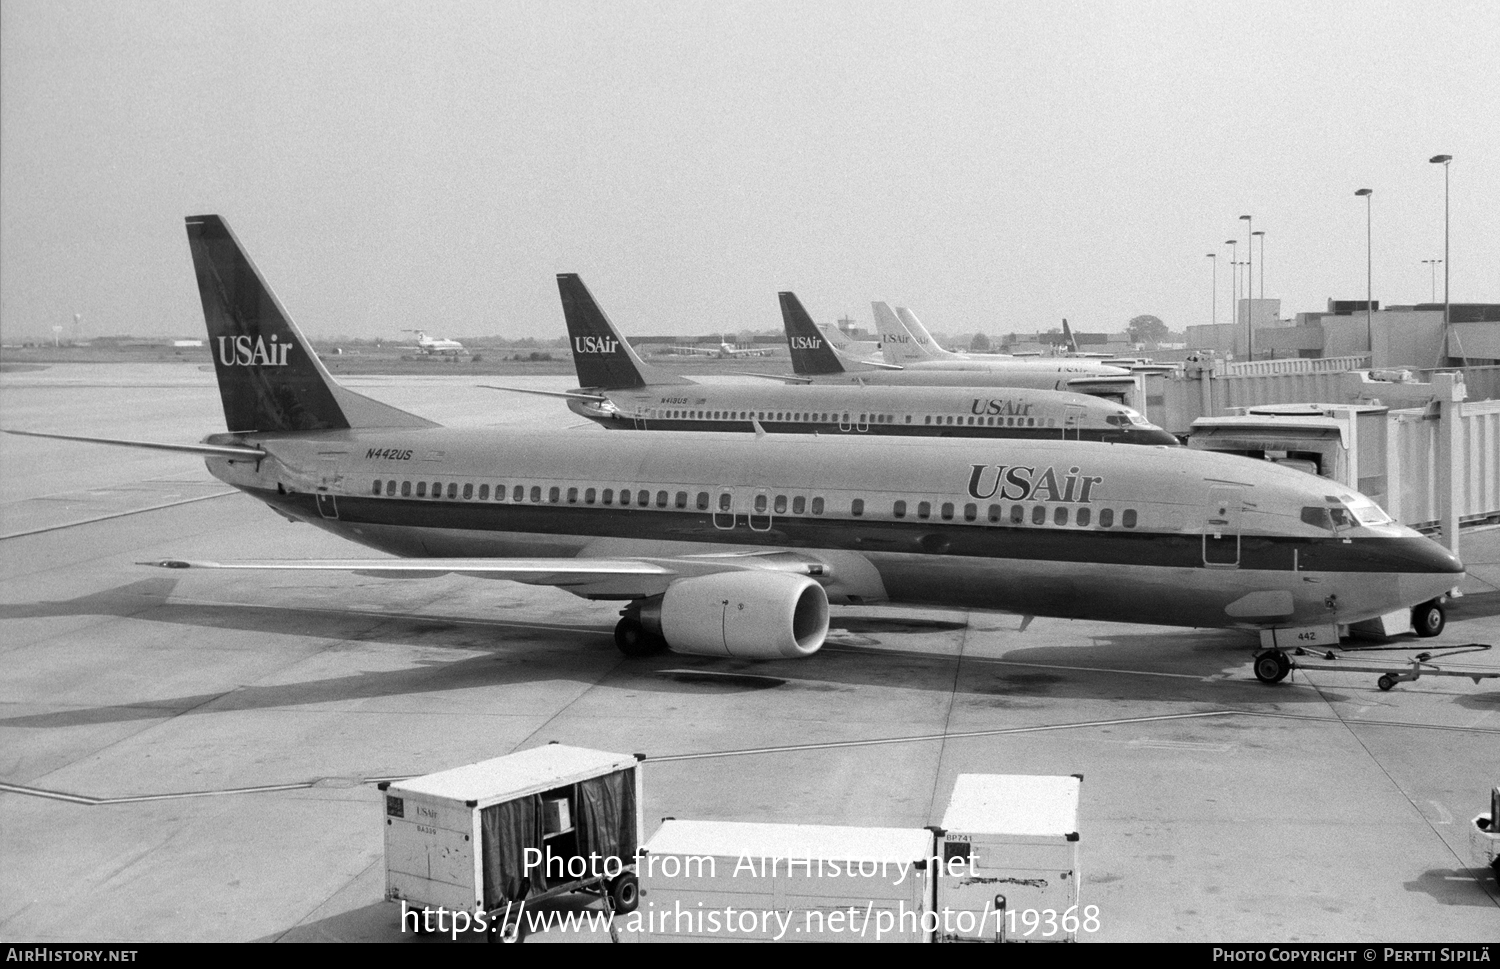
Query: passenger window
x: 437, y: 489
x: 643, y: 498
x: 453, y: 489
x: 406, y: 489
x: 760, y: 504
x: 780, y: 506
x: 519, y: 493
x: 377, y: 487
x: 468, y: 491
x: 1128, y: 519
x: 624, y: 497
x: 703, y: 501
x: 536, y: 492
x: 899, y: 509
x: 1017, y: 515
x: 947, y: 511
x: 608, y: 496
x: 1060, y: 515
x: 1083, y: 517
x: 1106, y: 517
x: 971, y: 512
x: 484, y: 492
x: 588, y: 496
x: 661, y: 499
x: 390, y: 488
x: 799, y: 504
x: 421, y: 489
x: 995, y: 514
x: 1039, y: 515
x: 924, y: 509
x: 572, y: 496
x: 681, y: 501
x: 725, y: 500
x: 554, y: 495
x: 817, y: 506
x: 857, y: 507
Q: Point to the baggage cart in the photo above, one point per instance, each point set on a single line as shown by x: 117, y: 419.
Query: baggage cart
x: 478, y: 843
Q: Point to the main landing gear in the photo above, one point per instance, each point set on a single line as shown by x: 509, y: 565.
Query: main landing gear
x: 633, y: 640
x: 1272, y: 665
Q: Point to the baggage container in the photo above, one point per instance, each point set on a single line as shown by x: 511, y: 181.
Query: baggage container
x: 1017, y: 838
x: 733, y: 881
x: 479, y: 839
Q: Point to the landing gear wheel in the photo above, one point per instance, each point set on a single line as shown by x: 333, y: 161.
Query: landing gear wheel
x: 624, y: 893
x: 633, y: 639
x: 1385, y: 682
x: 1272, y: 666
x: 1428, y: 619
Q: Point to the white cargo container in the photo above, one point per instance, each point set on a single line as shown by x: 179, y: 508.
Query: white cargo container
x: 1017, y: 838
x: 524, y: 826
x: 734, y: 881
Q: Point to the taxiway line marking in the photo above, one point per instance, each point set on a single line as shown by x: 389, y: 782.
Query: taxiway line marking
x: 118, y: 514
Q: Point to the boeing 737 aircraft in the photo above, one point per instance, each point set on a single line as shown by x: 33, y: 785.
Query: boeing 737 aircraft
x: 619, y: 390
x: 734, y: 545
x: 436, y: 346
x: 726, y: 351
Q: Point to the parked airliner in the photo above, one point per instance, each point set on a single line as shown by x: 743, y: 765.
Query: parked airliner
x: 734, y: 545
x: 619, y: 390
x: 436, y: 345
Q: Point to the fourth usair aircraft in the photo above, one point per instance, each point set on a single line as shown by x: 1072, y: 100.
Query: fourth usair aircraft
x: 619, y: 390
x: 734, y: 545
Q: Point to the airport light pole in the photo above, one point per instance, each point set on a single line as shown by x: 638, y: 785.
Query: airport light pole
x: 1368, y: 193
x: 1262, y: 234
x: 1249, y: 279
x: 1432, y: 298
x: 1234, y: 281
x: 1214, y: 307
x: 1447, y: 266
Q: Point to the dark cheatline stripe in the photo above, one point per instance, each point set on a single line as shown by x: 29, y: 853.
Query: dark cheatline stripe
x: 1040, y: 543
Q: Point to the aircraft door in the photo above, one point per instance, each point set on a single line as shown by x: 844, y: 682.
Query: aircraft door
x: 1221, y: 528
x: 1073, y: 423
x: 724, y: 510
x: 328, y: 507
x: 760, y: 511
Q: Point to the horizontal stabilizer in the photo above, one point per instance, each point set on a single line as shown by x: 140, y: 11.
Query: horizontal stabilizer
x: 208, y: 450
x: 565, y: 394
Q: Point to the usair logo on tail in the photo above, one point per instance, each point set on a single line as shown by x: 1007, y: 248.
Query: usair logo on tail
x: 241, y: 351
x: 806, y: 343
x: 595, y: 344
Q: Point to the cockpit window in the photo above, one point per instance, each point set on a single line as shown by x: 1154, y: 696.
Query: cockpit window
x: 1366, y: 512
x: 1341, y: 513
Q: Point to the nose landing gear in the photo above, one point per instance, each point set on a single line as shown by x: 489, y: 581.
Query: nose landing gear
x: 1272, y: 665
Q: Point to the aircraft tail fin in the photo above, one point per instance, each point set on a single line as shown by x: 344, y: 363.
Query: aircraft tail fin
x: 811, y: 354
x: 602, y: 357
x: 269, y: 377
x: 924, y: 340
x: 1069, y: 341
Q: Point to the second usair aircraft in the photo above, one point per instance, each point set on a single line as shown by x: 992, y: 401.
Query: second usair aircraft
x: 619, y: 390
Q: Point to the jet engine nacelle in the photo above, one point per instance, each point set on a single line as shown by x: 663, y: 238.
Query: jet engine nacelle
x: 746, y: 615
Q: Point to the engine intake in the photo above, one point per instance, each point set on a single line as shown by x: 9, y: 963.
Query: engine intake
x: 746, y: 615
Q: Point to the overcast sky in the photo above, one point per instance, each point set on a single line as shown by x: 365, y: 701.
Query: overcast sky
x: 994, y: 166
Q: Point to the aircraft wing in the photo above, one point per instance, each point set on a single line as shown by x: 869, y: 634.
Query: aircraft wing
x: 645, y: 575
